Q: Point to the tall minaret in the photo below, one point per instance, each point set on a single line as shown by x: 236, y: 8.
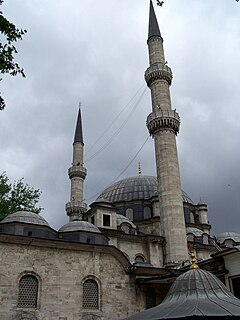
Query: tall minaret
x: 77, y: 173
x: 163, y: 124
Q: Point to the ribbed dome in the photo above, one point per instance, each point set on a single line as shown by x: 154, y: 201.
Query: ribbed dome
x: 79, y: 225
x: 26, y: 217
x: 228, y: 236
x: 134, y: 188
x: 196, y: 293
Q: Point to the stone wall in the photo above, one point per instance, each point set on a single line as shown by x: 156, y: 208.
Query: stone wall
x: 61, y: 269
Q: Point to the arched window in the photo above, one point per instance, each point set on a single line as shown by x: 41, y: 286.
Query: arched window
x: 139, y: 258
x: 129, y: 214
x: 28, y: 290
x: 90, y: 295
x: 147, y: 213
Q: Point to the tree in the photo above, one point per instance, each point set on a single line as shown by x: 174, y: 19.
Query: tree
x: 17, y: 197
x: 7, y: 50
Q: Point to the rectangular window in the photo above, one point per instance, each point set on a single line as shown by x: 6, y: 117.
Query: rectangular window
x: 93, y: 219
x: 106, y: 220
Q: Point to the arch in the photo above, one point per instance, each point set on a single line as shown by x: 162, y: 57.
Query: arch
x: 90, y: 293
x: 28, y: 291
x: 139, y: 258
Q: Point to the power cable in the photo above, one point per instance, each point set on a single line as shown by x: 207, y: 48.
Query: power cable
x: 114, y: 120
x: 127, y: 166
x: 107, y: 143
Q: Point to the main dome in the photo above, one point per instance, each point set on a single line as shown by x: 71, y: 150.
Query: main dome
x: 134, y: 188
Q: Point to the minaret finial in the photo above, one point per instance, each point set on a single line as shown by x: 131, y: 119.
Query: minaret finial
x: 193, y: 261
x: 139, y: 169
x: 153, y: 28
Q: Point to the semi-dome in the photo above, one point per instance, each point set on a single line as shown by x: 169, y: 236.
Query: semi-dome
x: 122, y: 219
x: 25, y: 217
x: 134, y: 188
x: 79, y: 225
x: 228, y: 236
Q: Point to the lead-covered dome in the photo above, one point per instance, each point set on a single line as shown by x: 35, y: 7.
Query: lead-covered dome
x: 228, y: 236
x: 79, y: 225
x: 195, y: 294
x: 25, y: 217
x: 134, y: 188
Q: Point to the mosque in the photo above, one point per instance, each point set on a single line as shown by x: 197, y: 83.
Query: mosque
x: 120, y: 255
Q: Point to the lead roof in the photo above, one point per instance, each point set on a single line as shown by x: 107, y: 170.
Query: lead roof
x: 196, y: 294
x: 78, y: 132
x: 153, y: 28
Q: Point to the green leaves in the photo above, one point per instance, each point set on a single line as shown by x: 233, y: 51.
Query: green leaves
x: 7, y: 50
x: 17, y: 197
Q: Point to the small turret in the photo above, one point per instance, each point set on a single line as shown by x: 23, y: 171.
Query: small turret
x: 77, y: 173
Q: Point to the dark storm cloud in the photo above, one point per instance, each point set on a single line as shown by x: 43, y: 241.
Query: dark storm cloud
x: 96, y: 52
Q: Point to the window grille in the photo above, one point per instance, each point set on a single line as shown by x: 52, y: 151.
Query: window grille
x: 90, y: 294
x: 28, y: 289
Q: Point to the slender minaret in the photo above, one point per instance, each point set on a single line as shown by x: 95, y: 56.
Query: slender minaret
x: 163, y: 124
x: 77, y: 173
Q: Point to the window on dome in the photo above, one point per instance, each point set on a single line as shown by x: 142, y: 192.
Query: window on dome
x: 196, y: 217
x: 187, y: 214
x: 28, y: 290
x: 147, y: 213
x: 129, y: 214
x: 106, y: 220
x: 90, y: 295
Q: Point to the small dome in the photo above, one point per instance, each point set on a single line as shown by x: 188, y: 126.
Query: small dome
x: 134, y: 188
x: 25, y: 217
x: 79, y: 225
x: 122, y: 219
x: 228, y: 236
x: 195, y: 231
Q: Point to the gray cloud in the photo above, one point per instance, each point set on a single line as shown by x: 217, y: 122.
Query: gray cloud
x: 96, y: 52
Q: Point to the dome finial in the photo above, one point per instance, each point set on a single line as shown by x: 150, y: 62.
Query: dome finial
x: 193, y: 261
x: 139, y: 169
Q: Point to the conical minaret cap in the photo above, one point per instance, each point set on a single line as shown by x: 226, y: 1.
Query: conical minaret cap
x: 78, y: 132
x: 153, y: 28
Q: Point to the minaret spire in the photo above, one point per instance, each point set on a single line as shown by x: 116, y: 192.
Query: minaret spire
x: 78, y: 132
x: 77, y: 173
x: 163, y: 124
x: 153, y: 28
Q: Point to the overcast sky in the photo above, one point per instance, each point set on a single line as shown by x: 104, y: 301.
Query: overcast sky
x: 95, y: 52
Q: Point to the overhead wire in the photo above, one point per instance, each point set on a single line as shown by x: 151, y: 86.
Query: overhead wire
x: 107, y: 143
x: 113, y: 121
x: 127, y: 166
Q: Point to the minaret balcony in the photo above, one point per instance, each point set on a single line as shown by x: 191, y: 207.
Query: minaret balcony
x: 76, y: 206
x: 163, y: 120
x: 77, y: 171
x: 158, y: 71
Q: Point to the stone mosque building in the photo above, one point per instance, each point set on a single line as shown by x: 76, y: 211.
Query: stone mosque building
x: 121, y: 255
